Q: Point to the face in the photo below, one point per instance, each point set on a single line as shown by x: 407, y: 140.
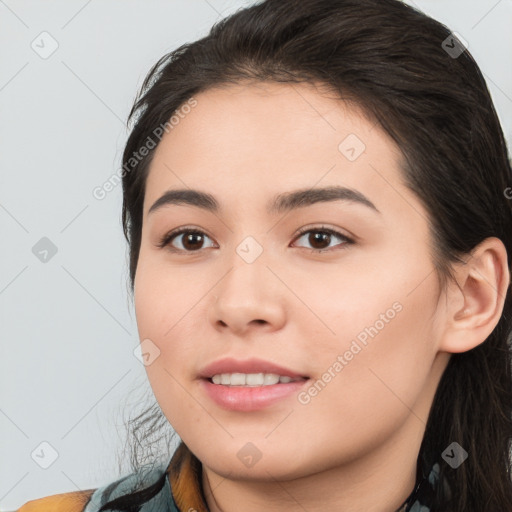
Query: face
x: 332, y: 289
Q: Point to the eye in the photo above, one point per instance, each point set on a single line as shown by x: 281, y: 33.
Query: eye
x: 323, y: 235
x: 195, y: 238
x: 192, y: 241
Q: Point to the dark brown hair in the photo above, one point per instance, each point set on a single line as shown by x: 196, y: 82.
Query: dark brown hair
x: 392, y: 61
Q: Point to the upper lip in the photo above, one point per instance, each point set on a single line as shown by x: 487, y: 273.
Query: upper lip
x: 254, y: 365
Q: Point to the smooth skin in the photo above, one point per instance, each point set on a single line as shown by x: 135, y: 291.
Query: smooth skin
x: 354, y: 446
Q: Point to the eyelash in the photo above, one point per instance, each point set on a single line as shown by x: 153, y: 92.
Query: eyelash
x: 167, y: 238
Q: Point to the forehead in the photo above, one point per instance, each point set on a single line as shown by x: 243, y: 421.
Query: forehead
x: 268, y: 138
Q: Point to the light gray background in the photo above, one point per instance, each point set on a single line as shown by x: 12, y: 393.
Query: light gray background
x: 67, y: 366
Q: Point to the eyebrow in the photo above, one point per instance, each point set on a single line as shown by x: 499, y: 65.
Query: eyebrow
x: 281, y: 203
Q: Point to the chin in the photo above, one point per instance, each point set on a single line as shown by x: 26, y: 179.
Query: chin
x: 266, y: 469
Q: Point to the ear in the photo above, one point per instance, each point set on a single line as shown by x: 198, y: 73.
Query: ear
x: 475, y: 306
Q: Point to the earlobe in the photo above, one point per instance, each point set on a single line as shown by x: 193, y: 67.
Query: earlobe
x: 483, y: 284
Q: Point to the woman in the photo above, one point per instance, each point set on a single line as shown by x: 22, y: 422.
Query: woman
x: 317, y: 205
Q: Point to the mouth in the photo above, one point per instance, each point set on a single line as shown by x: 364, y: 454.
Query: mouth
x: 238, y: 392
x: 250, y: 384
x: 238, y: 379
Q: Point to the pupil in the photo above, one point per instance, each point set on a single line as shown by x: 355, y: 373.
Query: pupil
x: 190, y: 237
x: 319, y: 237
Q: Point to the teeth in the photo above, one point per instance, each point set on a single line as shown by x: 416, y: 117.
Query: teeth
x: 269, y: 379
x: 250, y: 379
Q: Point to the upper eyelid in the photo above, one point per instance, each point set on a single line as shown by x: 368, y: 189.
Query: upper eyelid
x: 334, y: 231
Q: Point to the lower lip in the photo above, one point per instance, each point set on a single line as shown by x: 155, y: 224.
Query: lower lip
x: 244, y: 398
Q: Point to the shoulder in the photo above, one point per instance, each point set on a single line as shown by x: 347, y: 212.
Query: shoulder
x: 65, y: 502
x: 144, y: 486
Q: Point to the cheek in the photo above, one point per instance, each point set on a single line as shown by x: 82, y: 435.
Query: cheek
x: 382, y: 354
x: 385, y: 303
x: 164, y: 301
x: 161, y: 296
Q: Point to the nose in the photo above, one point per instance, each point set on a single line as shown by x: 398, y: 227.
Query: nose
x: 249, y: 296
